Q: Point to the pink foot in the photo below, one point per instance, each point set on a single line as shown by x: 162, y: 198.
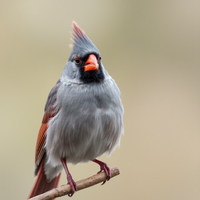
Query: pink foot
x: 103, y: 167
x: 70, y: 180
x: 72, y: 183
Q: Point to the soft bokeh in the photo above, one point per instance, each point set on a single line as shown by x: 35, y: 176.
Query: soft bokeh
x: 151, y: 49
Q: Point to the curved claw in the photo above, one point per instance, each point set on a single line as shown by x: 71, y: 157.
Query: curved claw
x: 73, y: 186
x: 104, y: 167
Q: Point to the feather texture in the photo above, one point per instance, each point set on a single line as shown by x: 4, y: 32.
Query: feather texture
x: 50, y: 111
x: 41, y: 185
x: 78, y: 32
x: 93, y: 125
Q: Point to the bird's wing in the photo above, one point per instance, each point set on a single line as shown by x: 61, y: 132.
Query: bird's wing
x: 50, y: 111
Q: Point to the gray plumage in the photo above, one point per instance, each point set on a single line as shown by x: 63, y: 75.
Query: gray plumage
x: 89, y: 119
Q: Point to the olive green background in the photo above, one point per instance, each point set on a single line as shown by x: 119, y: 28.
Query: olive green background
x: 151, y: 49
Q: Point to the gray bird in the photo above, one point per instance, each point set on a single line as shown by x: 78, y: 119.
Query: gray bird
x: 83, y: 117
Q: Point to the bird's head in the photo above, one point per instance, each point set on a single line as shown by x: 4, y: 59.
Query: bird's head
x: 84, y: 64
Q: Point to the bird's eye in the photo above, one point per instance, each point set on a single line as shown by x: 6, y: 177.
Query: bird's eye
x: 99, y: 58
x: 77, y: 60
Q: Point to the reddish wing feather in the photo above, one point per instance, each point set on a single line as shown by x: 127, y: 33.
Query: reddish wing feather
x: 50, y: 111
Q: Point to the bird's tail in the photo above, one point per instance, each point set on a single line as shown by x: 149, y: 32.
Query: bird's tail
x: 41, y: 185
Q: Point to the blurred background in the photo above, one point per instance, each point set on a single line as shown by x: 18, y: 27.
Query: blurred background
x: 151, y: 49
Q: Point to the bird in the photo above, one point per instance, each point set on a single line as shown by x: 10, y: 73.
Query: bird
x: 83, y: 117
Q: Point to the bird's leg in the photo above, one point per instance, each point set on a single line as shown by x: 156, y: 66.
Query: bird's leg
x: 103, y: 167
x: 71, y: 182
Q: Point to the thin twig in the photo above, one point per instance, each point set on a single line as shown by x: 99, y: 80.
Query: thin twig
x: 66, y: 189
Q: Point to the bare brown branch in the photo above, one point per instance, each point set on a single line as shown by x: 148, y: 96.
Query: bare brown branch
x: 66, y: 189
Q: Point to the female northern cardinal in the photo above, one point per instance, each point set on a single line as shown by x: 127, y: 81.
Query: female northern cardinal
x: 83, y: 117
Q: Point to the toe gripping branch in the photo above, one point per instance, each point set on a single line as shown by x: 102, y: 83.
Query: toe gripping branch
x: 103, y: 167
x: 70, y: 180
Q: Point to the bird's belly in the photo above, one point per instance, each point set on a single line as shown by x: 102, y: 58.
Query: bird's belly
x: 82, y: 136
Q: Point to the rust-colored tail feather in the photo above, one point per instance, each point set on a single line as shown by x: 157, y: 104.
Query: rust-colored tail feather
x: 41, y: 185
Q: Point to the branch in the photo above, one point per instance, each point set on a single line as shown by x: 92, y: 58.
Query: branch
x: 66, y: 189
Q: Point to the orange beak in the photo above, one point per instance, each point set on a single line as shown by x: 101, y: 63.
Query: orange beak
x: 91, y: 63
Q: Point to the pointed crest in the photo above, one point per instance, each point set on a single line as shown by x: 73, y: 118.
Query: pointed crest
x: 81, y: 43
x: 78, y: 33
